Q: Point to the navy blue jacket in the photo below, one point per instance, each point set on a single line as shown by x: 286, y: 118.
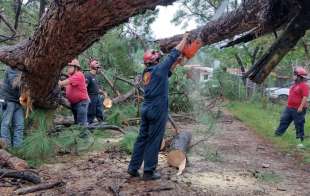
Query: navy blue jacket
x: 155, y: 80
x: 9, y: 92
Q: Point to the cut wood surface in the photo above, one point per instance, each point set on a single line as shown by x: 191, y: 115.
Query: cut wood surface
x: 12, y: 162
x: 178, y: 148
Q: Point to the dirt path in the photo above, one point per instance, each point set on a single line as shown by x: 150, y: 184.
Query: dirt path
x: 234, y: 161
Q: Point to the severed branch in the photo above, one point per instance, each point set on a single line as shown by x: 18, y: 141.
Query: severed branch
x: 159, y: 189
x: 4, y: 38
x: 39, y: 187
x: 105, y: 126
x: 292, y: 34
x: 18, y: 9
x: 24, y: 175
x: 111, y: 84
x: 12, y: 162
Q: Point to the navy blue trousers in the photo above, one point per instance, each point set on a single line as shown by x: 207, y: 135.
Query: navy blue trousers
x: 95, y: 109
x: 289, y: 115
x: 147, y: 146
x: 79, y: 111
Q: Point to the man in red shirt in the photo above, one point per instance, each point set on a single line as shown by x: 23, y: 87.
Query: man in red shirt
x: 296, y: 106
x: 76, y: 92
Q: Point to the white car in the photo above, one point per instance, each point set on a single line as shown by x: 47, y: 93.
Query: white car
x: 278, y: 93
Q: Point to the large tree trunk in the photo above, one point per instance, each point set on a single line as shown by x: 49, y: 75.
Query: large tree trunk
x: 66, y: 30
x: 259, y: 16
x: 256, y: 18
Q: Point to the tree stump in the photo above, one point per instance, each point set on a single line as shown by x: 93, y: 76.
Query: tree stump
x: 178, y: 148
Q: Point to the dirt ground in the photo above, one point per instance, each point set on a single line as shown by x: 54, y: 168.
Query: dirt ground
x: 233, y: 161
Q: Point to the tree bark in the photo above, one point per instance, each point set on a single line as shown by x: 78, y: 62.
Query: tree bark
x: 66, y: 29
x: 12, y: 162
x: 259, y: 16
x: 24, y: 175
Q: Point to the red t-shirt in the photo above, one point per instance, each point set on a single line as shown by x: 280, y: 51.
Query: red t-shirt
x: 297, y: 92
x: 76, y: 90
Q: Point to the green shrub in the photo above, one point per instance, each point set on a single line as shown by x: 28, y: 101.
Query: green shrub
x: 120, y: 113
x: 127, y: 142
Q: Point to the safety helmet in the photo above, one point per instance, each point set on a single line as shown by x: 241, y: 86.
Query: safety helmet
x: 94, y: 64
x: 75, y: 63
x: 151, y: 56
x: 300, y: 71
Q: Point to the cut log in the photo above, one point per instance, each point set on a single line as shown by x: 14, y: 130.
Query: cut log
x: 178, y: 148
x: 23, y: 175
x: 12, y: 162
x: 39, y: 187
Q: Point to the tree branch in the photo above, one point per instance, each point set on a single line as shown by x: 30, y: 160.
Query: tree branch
x: 63, y: 33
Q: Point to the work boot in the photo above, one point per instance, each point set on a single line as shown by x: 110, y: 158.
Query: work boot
x: 151, y: 175
x: 133, y: 173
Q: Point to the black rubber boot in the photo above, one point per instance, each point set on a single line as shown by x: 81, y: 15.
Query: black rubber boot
x: 133, y: 173
x: 151, y: 176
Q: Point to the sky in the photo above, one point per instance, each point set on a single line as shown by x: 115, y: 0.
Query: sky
x: 163, y: 28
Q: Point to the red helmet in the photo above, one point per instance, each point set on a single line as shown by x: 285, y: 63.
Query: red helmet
x: 300, y: 71
x: 151, y: 56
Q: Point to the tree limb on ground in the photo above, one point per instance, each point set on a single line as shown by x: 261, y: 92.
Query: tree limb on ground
x: 12, y: 162
x: 39, y: 187
x: 23, y: 175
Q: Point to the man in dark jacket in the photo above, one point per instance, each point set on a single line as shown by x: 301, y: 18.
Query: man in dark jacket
x: 154, y: 112
x: 13, y: 113
x: 95, y: 108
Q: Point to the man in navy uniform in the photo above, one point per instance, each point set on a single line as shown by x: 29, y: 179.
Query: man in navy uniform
x: 154, y: 111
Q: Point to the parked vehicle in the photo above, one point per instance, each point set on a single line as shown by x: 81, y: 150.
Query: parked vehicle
x: 278, y: 93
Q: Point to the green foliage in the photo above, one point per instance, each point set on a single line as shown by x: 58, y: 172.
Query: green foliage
x: 178, y: 92
x: 127, y: 142
x: 38, y: 145
x: 115, y: 52
x: 120, y: 113
x: 231, y: 86
x: 268, y: 176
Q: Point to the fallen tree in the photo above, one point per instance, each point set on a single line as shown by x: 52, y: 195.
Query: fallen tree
x: 66, y: 29
x: 255, y: 18
x: 69, y: 27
